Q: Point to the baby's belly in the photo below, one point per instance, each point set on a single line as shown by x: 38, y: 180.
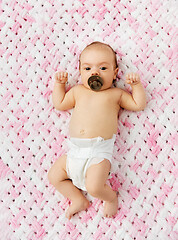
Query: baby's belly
x: 92, y: 129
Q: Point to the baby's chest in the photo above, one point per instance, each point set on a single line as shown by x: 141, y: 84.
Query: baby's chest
x: 92, y: 105
x: 95, y: 101
x: 96, y: 107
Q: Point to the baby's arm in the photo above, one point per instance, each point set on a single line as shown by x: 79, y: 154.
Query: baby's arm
x: 137, y: 100
x: 61, y: 99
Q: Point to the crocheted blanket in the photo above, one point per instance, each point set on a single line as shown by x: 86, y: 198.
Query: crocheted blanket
x: 40, y: 37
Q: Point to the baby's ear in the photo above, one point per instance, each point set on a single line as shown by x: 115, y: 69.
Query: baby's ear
x: 79, y: 65
x: 116, y: 72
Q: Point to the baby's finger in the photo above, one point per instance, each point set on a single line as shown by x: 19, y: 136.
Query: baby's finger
x: 61, y: 75
x: 56, y: 75
x: 66, y: 75
x: 127, y: 76
x: 128, y: 81
x: 137, y: 77
x: 133, y: 78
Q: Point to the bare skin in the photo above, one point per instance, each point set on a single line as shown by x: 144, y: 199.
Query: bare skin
x: 94, y: 114
x: 58, y: 177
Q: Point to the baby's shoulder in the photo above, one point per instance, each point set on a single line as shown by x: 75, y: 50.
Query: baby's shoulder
x: 115, y: 91
x: 77, y: 90
x: 78, y: 87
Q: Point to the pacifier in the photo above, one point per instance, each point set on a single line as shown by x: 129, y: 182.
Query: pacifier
x: 95, y: 82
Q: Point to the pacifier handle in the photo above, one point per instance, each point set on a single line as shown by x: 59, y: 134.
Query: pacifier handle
x: 95, y: 82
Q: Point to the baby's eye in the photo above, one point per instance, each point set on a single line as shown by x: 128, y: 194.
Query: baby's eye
x: 87, y: 68
x: 103, y: 68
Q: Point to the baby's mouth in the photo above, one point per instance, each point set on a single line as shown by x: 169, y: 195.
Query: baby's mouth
x: 95, y: 82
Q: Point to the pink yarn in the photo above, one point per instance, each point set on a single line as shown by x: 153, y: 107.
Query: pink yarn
x: 37, y: 38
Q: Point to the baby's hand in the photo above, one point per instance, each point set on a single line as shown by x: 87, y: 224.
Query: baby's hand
x: 132, y: 78
x: 61, y: 77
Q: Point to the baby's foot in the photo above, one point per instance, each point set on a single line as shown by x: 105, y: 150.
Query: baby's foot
x: 110, y: 208
x: 77, y: 206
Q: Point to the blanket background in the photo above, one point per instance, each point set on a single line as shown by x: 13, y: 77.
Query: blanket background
x: 40, y: 37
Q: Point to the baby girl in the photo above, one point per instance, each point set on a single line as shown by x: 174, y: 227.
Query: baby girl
x: 92, y: 128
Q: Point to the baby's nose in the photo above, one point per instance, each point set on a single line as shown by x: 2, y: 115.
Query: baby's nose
x: 95, y: 73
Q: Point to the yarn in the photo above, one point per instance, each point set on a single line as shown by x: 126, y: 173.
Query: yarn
x: 38, y: 38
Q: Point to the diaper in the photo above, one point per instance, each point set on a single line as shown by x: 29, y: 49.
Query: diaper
x: 85, y: 152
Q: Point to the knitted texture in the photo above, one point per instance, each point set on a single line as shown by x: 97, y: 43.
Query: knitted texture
x: 39, y: 37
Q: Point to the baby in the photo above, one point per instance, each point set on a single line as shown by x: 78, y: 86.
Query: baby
x: 92, y: 128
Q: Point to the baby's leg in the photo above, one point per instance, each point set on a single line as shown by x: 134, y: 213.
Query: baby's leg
x: 58, y: 178
x: 96, y: 178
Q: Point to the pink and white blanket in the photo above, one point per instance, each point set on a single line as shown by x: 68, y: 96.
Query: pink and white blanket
x: 39, y: 37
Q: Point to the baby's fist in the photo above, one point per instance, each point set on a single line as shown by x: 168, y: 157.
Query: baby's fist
x: 132, y: 78
x: 61, y: 77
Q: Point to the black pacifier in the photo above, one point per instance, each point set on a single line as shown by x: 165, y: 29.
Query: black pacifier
x: 95, y: 82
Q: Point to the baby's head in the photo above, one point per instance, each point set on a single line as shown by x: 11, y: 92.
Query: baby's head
x: 98, y: 64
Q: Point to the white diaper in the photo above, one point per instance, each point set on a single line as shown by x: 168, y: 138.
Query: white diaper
x: 85, y: 152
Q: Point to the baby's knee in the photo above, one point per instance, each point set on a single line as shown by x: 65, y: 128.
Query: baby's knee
x: 52, y: 177
x: 94, y: 189
x: 57, y: 172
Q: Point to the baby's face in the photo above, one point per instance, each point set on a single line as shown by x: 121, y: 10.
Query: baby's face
x: 98, y: 60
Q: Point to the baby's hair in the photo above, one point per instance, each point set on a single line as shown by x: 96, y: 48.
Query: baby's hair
x: 101, y: 44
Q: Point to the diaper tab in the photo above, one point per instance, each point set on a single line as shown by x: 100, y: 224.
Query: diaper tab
x: 100, y: 139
